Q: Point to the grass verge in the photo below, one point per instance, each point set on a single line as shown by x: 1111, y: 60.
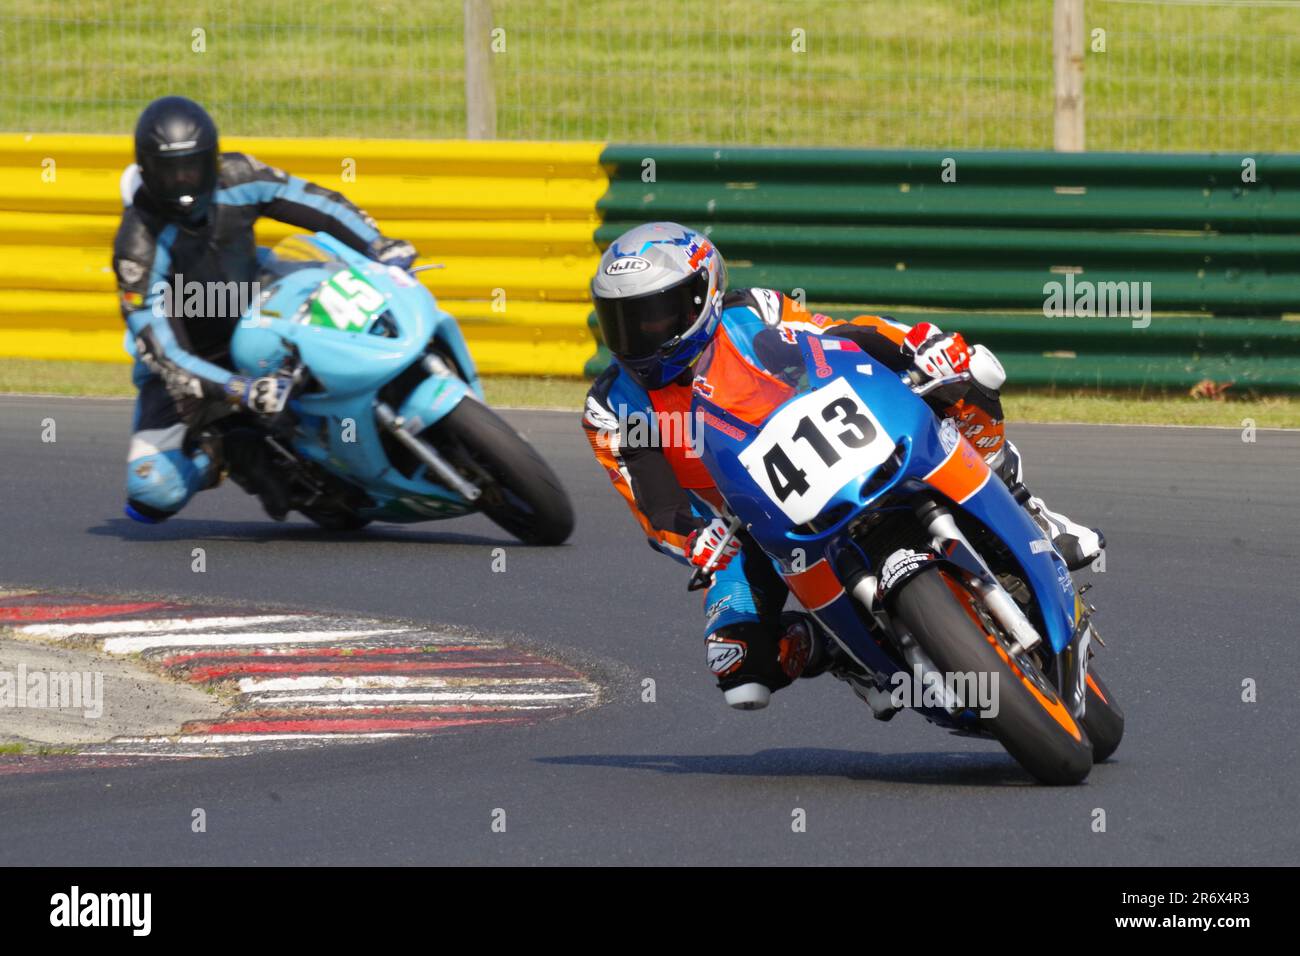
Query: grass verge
x: 97, y: 379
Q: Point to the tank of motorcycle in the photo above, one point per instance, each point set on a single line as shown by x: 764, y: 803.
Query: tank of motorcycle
x: 893, y: 421
x: 350, y: 353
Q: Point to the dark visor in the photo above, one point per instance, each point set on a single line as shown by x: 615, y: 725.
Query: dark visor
x: 170, y: 178
x: 640, y: 326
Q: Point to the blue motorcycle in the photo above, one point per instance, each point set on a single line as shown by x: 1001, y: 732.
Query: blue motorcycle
x: 940, y: 592
x: 386, y: 420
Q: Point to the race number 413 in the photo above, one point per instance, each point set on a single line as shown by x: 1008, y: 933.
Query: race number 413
x: 814, y: 447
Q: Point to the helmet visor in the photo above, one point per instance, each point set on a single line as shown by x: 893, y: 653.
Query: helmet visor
x: 182, y: 180
x: 642, y: 325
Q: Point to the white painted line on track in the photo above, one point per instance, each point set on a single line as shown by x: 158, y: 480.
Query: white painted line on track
x: 156, y: 625
x: 386, y: 697
x: 368, y: 705
x: 256, y: 685
x: 247, y: 738
x: 133, y: 645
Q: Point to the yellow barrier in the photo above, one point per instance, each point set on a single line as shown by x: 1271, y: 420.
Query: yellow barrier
x: 511, y: 224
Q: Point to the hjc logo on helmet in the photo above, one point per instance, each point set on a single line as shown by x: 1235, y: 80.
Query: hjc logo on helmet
x: 625, y: 265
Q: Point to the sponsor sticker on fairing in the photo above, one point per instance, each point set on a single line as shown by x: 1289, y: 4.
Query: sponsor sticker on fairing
x: 949, y: 435
x: 832, y: 343
x: 900, y: 564
x: 1064, y: 579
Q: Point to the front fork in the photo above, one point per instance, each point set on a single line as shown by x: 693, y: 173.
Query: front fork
x: 947, y: 540
x: 949, y: 544
x: 397, y: 426
x: 1071, y: 665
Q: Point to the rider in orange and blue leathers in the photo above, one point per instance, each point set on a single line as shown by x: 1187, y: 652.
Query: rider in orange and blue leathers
x: 664, y: 311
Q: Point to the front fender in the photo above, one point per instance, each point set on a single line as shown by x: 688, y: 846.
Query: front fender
x: 1045, y: 573
x: 431, y: 400
x: 448, y: 334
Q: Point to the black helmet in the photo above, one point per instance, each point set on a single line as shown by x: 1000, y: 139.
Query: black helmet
x: 176, y: 150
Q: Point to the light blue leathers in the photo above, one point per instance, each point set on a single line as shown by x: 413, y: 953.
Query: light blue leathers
x: 160, y: 476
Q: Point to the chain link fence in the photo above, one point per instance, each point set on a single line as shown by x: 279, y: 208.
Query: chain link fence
x: 1161, y: 74
x: 1193, y: 75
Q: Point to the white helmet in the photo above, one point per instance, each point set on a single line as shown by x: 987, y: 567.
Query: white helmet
x: 658, y: 296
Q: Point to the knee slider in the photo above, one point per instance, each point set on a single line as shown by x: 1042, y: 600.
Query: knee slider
x: 159, y: 485
x: 744, y: 654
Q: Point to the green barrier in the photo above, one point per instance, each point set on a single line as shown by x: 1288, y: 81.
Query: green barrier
x: 1213, y: 235
x: 1172, y: 353
x: 1227, y: 210
x: 1014, y: 167
x: 1078, y: 247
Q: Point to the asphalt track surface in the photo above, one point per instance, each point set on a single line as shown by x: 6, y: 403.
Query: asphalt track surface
x: 1199, y: 595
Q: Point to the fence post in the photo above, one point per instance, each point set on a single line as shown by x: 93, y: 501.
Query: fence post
x: 1067, y: 62
x: 480, y: 97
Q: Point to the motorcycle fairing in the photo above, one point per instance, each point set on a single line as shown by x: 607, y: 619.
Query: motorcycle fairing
x: 931, y: 456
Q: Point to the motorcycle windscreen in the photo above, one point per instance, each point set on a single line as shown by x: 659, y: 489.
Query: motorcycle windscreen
x: 299, y: 248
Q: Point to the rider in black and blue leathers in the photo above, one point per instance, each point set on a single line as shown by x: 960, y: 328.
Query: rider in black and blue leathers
x: 189, y: 218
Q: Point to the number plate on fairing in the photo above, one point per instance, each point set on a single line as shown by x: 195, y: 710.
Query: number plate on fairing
x: 347, y: 302
x: 813, y: 447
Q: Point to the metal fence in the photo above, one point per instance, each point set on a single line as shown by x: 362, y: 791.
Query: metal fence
x: 1161, y: 74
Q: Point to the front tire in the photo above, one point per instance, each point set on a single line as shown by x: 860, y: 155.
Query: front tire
x: 520, y: 491
x: 1102, y: 718
x: 1032, y: 722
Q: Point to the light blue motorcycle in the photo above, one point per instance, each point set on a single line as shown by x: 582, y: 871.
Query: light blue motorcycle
x: 386, y: 420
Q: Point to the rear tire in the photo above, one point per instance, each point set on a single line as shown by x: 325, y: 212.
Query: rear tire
x: 520, y: 491
x: 1102, y: 718
x: 1032, y: 722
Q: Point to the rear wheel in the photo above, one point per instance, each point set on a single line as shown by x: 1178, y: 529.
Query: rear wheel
x: 1102, y: 718
x: 520, y: 491
x: 1031, y: 722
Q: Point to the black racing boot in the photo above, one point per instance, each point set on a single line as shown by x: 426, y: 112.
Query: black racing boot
x: 252, y: 468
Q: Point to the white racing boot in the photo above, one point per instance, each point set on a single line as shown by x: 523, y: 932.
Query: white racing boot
x: 1077, y: 544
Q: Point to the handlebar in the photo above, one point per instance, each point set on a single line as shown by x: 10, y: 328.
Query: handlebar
x: 921, y: 386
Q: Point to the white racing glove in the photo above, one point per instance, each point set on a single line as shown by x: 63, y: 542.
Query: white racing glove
x: 266, y: 395
x: 936, y: 354
x: 704, y: 543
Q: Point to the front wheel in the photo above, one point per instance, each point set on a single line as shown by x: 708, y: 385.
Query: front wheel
x: 1102, y: 718
x: 520, y: 491
x: 1031, y: 720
